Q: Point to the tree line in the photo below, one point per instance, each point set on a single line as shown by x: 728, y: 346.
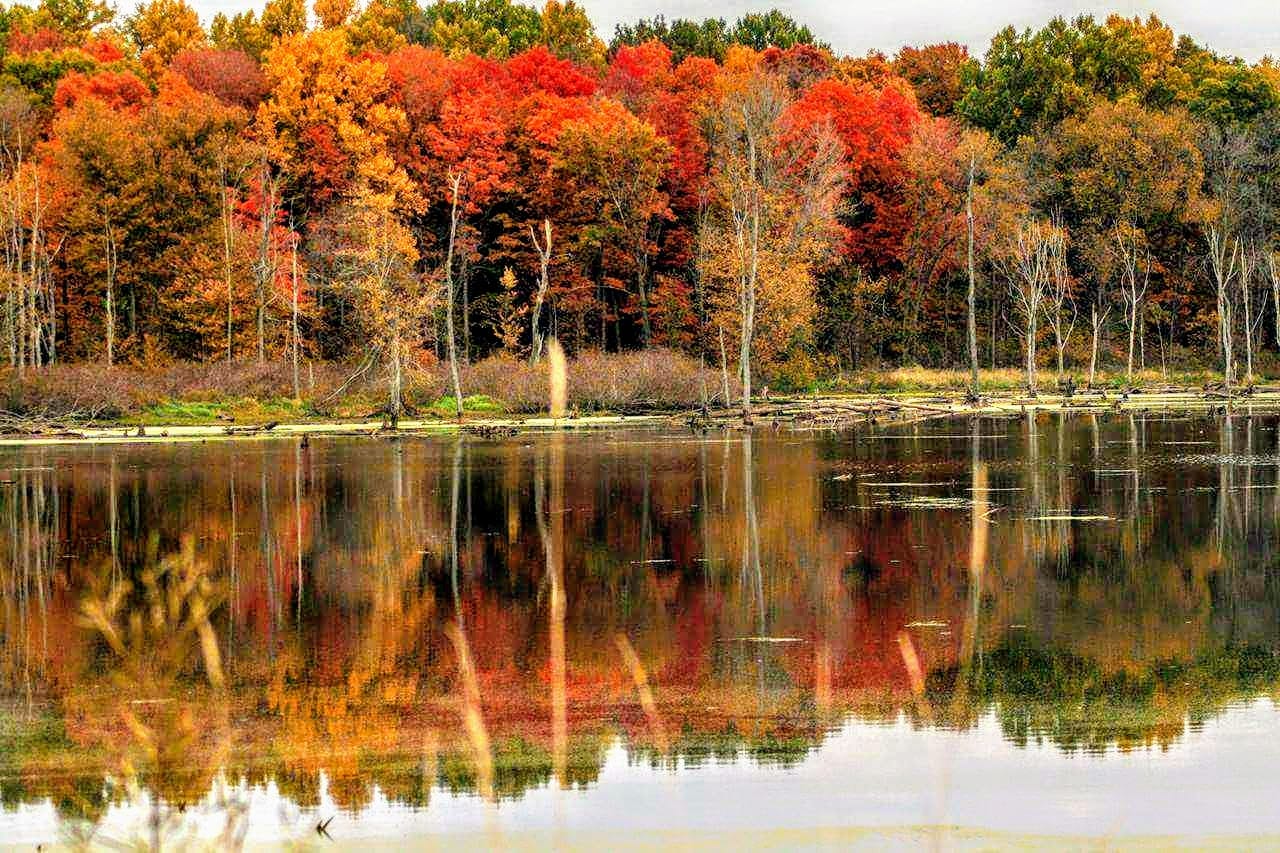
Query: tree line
x: 398, y: 185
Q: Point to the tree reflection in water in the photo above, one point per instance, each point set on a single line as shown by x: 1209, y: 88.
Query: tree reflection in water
x: 181, y: 620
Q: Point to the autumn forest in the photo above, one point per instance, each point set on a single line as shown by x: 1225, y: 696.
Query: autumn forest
x: 399, y: 189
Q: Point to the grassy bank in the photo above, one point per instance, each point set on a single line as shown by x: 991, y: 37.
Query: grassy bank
x: 499, y: 389
x: 914, y: 380
x: 254, y: 393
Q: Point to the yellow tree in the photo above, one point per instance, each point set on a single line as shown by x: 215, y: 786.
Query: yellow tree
x: 326, y: 120
x: 163, y: 28
x: 777, y: 181
x: 379, y: 264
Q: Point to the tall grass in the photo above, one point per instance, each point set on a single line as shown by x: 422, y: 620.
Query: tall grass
x: 194, y: 393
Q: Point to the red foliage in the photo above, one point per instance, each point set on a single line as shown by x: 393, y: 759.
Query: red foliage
x: 232, y: 76
x: 469, y: 142
x: 119, y: 90
x: 329, y: 165
x: 637, y: 70
x: 800, y: 66
x: 420, y: 78
x: 24, y: 43
x: 537, y: 69
x: 936, y: 72
x: 874, y: 125
x: 696, y: 75
x: 105, y: 51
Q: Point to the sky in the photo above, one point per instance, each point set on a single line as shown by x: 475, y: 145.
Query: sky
x: 1245, y: 28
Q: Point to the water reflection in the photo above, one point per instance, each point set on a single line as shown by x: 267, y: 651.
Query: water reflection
x: 183, y: 624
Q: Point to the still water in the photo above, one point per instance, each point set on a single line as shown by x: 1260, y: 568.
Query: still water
x: 956, y: 633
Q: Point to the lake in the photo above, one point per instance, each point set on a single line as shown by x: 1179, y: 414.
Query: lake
x: 1041, y: 631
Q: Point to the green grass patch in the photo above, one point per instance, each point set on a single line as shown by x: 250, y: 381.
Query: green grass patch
x: 447, y: 406
x: 242, y: 409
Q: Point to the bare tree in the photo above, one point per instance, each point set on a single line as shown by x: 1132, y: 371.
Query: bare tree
x: 265, y: 265
x: 1251, y: 261
x: 777, y: 197
x: 1245, y: 279
x: 1273, y: 270
x: 724, y: 371
x: 29, y: 299
x: 1059, y: 299
x: 226, y: 223
x: 1129, y: 246
x: 973, y: 299
x: 1025, y: 261
x: 1099, y: 310
x: 228, y: 245
x: 455, y: 215
x: 544, y: 282
x: 379, y: 267
x: 294, y: 337
x: 109, y: 250
x: 1224, y: 261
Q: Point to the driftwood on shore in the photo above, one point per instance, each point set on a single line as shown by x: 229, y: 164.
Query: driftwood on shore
x: 836, y: 412
x: 802, y: 413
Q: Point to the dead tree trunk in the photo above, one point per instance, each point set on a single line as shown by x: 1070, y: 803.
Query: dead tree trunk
x: 265, y: 267
x: 1224, y: 259
x: 972, y: 302
x: 544, y: 281
x: 293, y: 263
x: 455, y: 214
x: 110, y: 241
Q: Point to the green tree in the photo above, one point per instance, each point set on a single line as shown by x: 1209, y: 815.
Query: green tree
x: 493, y: 28
x: 760, y: 30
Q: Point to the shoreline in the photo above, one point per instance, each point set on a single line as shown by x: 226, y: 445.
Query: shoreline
x: 811, y: 412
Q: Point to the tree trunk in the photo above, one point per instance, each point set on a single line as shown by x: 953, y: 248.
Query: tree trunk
x: 454, y: 215
x: 111, y: 296
x: 396, y: 403
x: 266, y: 263
x: 544, y: 281
x: 464, y: 274
x: 642, y: 286
x: 228, y: 236
x: 1096, y: 320
x: 1059, y: 345
x: 1246, y: 276
x: 1031, y: 354
x: 1133, y: 327
x: 1274, y: 270
x: 749, y: 291
x: 724, y: 370
x: 297, y: 393
x: 972, y: 301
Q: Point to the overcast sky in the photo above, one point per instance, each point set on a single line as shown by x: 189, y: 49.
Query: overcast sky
x: 1247, y: 28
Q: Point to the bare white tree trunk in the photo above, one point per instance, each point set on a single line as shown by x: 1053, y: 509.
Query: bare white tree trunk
x: 455, y: 214
x: 1026, y: 262
x: 110, y: 241
x: 228, y: 244
x: 1129, y: 248
x: 1273, y: 269
x: 544, y: 282
x: 973, y: 299
x: 1246, y: 298
x: 397, y: 378
x: 1062, y: 307
x: 1224, y: 259
x: 266, y: 263
x: 724, y: 371
x: 293, y: 326
x: 1099, y: 311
